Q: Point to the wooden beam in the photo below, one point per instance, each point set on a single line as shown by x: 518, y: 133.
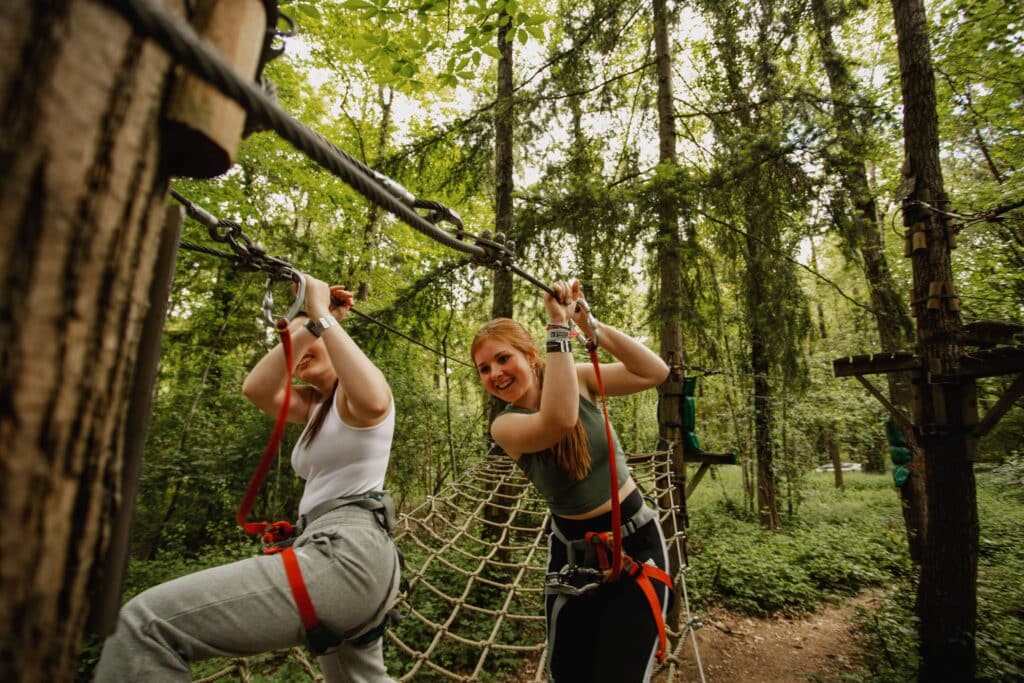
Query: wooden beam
x: 692, y: 484
x: 902, y: 418
x: 997, y: 411
x: 875, y: 363
x: 1006, y: 360
x: 711, y: 458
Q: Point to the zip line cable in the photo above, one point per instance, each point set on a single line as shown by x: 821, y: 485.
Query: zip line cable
x: 180, y: 40
x: 247, y: 255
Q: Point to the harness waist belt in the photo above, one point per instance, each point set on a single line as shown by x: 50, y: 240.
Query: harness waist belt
x: 641, y: 517
x: 379, y: 502
x: 319, y: 637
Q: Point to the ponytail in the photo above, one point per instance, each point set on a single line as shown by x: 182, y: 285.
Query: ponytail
x: 313, y: 428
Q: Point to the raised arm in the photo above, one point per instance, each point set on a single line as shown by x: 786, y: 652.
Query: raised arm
x: 639, y: 368
x: 364, y: 396
x: 265, y: 383
x: 556, y: 404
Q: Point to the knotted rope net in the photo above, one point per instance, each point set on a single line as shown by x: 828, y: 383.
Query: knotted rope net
x: 476, y: 556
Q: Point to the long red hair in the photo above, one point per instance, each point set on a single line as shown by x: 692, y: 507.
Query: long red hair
x: 572, y: 453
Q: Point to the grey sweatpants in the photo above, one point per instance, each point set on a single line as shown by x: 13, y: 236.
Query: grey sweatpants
x: 350, y: 567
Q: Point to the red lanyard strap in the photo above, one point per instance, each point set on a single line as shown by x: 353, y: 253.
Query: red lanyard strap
x: 616, y: 567
x: 307, y: 612
x: 270, y: 451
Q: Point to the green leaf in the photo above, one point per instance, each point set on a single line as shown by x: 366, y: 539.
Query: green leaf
x: 491, y: 50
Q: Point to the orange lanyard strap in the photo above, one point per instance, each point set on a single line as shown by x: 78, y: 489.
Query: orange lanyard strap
x: 278, y: 530
x: 643, y: 574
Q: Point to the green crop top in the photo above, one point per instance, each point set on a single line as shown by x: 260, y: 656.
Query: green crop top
x: 563, y: 495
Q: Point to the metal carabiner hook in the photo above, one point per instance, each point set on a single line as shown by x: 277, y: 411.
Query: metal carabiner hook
x: 268, y: 298
x: 581, y: 304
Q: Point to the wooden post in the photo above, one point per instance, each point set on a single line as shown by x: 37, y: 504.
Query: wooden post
x: 203, y: 127
x: 110, y: 575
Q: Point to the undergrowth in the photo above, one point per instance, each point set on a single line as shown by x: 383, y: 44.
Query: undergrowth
x: 842, y: 542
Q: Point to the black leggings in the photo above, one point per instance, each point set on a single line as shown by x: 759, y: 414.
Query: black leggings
x: 607, y: 635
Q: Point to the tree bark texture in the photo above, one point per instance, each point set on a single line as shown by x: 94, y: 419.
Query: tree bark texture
x: 81, y: 212
x: 670, y: 293
x: 945, y: 407
x: 863, y: 234
x: 502, y: 302
x: 670, y: 296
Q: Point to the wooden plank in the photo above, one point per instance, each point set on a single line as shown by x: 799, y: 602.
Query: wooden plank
x: 711, y: 458
x: 875, y: 363
x: 997, y: 411
x: 992, y: 362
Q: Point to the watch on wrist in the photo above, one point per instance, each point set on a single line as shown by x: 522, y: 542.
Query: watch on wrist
x: 318, y: 326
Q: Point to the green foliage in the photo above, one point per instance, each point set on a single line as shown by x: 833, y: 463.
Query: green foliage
x: 408, y: 88
x: 843, y: 543
x: 889, y: 632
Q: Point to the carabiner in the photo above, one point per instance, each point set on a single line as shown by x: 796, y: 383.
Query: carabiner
x: 591, y: 322
x: 268, y: 298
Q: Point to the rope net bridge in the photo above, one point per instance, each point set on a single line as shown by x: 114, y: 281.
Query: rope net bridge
x: 476, y: 558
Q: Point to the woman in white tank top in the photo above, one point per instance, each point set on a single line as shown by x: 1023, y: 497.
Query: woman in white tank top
x: 248, y: 607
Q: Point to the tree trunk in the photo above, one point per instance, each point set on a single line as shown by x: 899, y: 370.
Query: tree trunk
x: 363, y: 264
x: 761, y: 215
x: 670, y: 296
x: 767, y: 502
x: 81, y: 215
x: 863, y: 233
x: 501, y: 301
x: 945, y: 407
x: 837, y: 462
x: 501, y: 304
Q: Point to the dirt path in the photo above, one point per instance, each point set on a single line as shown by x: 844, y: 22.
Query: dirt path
x: 739, y: 649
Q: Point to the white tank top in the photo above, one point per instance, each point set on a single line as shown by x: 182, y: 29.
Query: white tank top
x: 343, y: 460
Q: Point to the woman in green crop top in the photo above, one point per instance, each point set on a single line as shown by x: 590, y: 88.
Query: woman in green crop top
x: 555, y: 432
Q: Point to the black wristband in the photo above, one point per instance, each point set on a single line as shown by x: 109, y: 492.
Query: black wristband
x: 561, y: 346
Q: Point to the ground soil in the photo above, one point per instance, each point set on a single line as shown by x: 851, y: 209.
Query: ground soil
x: 739, y: 649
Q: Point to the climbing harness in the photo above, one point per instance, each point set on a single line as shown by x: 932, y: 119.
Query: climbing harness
x: 598, y: 557
x: 277, y: 537
x: 589, y: 565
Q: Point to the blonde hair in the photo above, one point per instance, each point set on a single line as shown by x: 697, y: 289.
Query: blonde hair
x: 572, y: 452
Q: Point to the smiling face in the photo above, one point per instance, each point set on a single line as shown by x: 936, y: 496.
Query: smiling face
x: 314, y: 363
x: 507, y: 363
